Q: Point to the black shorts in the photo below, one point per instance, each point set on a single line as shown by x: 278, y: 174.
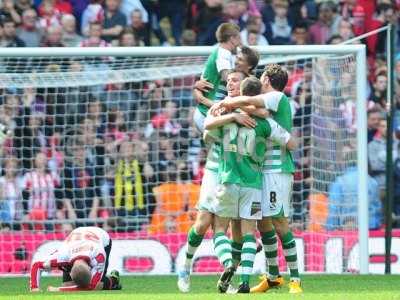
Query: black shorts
x: 67, y: 270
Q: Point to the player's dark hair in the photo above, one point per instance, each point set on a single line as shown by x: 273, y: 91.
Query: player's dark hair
x: 252, y: 56
x: 278, y: 77
x: 225, y: 31
x: 251, y: 86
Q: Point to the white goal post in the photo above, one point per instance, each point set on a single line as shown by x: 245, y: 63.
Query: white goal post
x: 358, y: 51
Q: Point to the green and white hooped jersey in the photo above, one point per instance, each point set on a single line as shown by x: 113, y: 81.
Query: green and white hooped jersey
x: 243, y: 151
x: 220, y: 59
x: 278, y: 159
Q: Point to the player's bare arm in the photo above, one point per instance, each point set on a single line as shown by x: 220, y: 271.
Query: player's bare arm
x: 244, y: 119
x: 203, y: 85
x: 237, y: 102
x: 200, y: 98
x: 256, y: 111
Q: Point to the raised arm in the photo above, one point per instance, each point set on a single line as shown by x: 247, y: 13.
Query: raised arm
x: 200, y: 98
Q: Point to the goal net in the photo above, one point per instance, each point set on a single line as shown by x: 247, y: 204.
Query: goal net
x: 108, y: 140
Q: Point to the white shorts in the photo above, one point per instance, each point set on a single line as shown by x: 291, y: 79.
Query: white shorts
x: 277, y: 194
x: 198, y: 120
x: 233, y: 201
x: 208, y: 190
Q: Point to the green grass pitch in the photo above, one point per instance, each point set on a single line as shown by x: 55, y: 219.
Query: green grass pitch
x: 321, y: 287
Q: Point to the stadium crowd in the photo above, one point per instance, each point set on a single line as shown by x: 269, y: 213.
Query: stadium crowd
x: 125, y: 156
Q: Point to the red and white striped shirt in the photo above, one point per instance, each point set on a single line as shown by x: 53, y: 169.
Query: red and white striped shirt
x: 41, y: 191
x: 86, y: 243
x: 94, y: 43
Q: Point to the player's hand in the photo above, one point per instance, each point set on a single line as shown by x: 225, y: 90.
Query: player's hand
x: 219, y: 108
x: 203, y: 85
x: 245, y: 120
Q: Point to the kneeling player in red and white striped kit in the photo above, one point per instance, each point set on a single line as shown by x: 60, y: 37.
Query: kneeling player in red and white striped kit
x: 83, y: 257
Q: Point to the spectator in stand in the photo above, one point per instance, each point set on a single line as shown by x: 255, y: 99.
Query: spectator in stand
x: 69, y: 37
x: 11, y: 208
x: 233, y: 12
x: 327, y: 24
x: 206, y: 21
x: 345, y: 30
x: 373, y: 120
x: 173, y: 200
x: 116, y: 131
x: 175, y: 11
x: 334, y: 40
x: 354, y: 14
x: 384, y: 14
x: 29, y: 32
x: 94, y: 39
x: 342, y: 206
x: 8, y: 11
x: 49, y: 14
x: 23, y: 5
x: 93, y: 13
x: 10, y: 35
x: 132, y: 176
x: 114, y: 21
x: 96, y: 119
x: 380, y: 90
x: 140, y: 28
x: 300, y: 34
x: 40, y: 186
x: 167, y: 120
x: 377, y: 156
x: 128, y: 39
x: 80, y: 184
x: 189, y: 37
x: 254, y: 28
x: 278, y: 30
x: 128, y: 6
x: 30, y: 133
x: 53, y: 37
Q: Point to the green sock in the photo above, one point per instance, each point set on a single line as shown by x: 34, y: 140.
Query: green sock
x: 249, y: 250
x: 270, y: 243
x: 223, y: 249
x: 193, y: 242
x: 290, y: 252
x: 236, y: 252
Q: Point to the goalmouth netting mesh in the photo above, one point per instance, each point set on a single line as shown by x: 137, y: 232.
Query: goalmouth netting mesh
x: 109, y: 141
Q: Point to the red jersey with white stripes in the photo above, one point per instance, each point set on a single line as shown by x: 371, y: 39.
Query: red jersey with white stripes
x: 41, y: 188
x: 86, y: 243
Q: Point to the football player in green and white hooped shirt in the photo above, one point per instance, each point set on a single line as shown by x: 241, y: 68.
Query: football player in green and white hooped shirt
x: 208, y: 189
x: 278, y: 180
x: 246, y: 61
x: 240, y: 175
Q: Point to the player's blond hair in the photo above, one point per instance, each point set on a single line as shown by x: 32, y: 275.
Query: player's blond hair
x: 80, y: 273
x: 225, y: 31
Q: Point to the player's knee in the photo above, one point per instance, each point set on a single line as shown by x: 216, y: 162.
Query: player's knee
x: 80, y: 273
x: 203, y: 222
x: 265, y: 225
x: 281, y: 226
